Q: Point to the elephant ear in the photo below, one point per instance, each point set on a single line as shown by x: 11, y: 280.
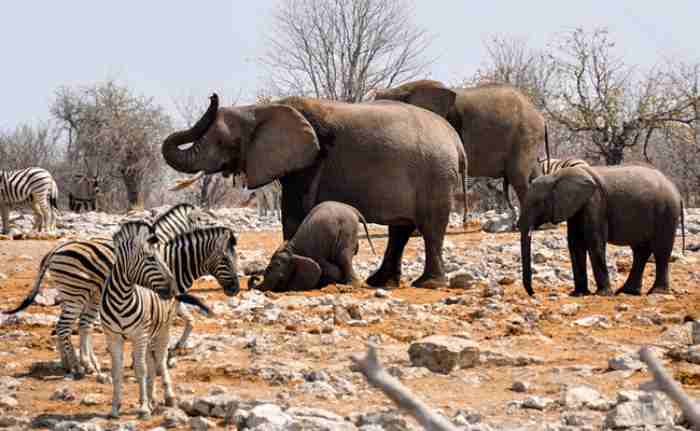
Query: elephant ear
x: 571, y: 191
x: 282, y: 142
x: 306, y: 275
x: 436, y: 99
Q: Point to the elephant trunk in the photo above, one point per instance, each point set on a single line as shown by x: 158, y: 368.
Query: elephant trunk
x: 187, y: 160
x: 525, y: 253
x: 255, y: 284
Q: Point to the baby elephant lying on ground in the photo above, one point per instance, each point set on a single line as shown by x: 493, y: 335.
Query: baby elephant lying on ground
x: 628, y: 205
x: 320, y: 252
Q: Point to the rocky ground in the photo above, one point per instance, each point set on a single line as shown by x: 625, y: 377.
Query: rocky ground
x: 482, y: 353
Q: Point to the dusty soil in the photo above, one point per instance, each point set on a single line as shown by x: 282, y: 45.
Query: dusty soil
x: 563, y: 345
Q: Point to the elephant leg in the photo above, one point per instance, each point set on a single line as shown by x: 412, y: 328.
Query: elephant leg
x: 520, y: 185
x: 433, y: 231
x: 389, y: 272
x: 330, y: 273
x: 633, y: 284
x: 662, y: 255
x: 578, y: 255
x: 348, y: 272
x: 596, y: 244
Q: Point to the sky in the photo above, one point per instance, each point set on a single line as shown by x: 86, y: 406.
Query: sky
x: 174, y: 49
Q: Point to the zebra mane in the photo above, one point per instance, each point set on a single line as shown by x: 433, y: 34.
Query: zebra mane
x: 133, y: 230
x: 174, y: 221
x: 206, y: 232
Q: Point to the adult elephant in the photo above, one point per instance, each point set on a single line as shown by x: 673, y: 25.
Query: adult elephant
x: 394, y: 162
x: 500, y: 128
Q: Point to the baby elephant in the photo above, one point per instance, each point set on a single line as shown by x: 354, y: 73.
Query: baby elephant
x: 623, y: 205
x: 320, y: 252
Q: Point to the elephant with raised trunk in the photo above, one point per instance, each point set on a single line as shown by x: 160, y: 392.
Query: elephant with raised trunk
x: 623, y: 205
x: 320, y: 253
x: 394, y: 162
x: 501, y: 130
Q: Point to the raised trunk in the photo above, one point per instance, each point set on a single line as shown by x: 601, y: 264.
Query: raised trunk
x: 189, y: 160
x: 525, y: 254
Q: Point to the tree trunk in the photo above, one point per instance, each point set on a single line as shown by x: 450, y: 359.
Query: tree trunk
x: 616, y: 153
x: 134, y: 191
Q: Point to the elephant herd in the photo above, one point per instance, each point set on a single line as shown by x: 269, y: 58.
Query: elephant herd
x: 396, y: 160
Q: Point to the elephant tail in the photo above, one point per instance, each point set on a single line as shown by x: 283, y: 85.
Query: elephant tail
x: 369, y: 239
x: 682, y: 227
x: 546, y: 143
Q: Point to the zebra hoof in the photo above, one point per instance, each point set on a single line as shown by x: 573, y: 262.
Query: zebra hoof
x: 143, y: 414
x: 104, y: 379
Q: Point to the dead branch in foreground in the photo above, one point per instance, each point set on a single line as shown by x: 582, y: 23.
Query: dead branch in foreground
x: 370, y: 367
x: 668, y: 385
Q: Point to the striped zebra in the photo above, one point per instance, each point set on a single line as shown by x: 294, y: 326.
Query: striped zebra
x: 269, y: 198
x: 79, y: 268
x: 33, y: 185
x: 137, y: 314
x: 555, y: 165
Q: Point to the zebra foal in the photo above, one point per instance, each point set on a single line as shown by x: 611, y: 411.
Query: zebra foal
x: 33, y: 185
x: 140, y: 315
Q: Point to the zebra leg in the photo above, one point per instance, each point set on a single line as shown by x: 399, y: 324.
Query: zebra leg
x: 87, y: 354
x: 140, y: 345
x: 116, y: 348
x: 5, y: 210
x: 160, y: 347
x: 183, y: 312
x: 150, y: 376
x: 38, y: 215
x: 69, y: 313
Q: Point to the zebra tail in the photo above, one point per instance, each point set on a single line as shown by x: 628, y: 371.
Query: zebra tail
x: 193, y: 300
x: 546, y: 143
x: 45, y: 263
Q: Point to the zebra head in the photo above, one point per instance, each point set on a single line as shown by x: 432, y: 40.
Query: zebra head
x: 136, y: 258
x: 222, y: 261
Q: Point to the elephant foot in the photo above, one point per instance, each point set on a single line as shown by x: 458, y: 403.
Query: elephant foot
x: 578, y: 293
x: 629, y: 290
x: 660, y: 290
x: 384, y: 279
x: 430, y: 282
x: 605, y: 292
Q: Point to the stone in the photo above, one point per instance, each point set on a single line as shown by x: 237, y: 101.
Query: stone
x: 650, y: 409
x: 76, y: 426
x: 63, y: 394
x: 90, y: 400
x: 537, y: 403
x: 626, y: 362
x: 589, y: 321
x: 8, y: 402
x: 504, y: 359
x: 580, y: 396
x: 270, y: 416
x: 570, y: 309
x: 520, y: 386
x: 341, y: 315
x: 387, y: 421
x: 174, y: 418
x: 442, y: 354
x: 199, y: 423
x: 462, y: 280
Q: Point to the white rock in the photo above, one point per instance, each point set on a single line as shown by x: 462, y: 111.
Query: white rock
x: 591, y: 320
x: 650, y: 409
x: 269, y: 415
x: 580, y: 396
x: 626, y: 362
x: 537, y: 403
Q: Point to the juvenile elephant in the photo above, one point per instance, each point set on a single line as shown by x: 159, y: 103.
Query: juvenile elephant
x: 395, y: 163
x: 320, y: 252
x: 501, y: 130
x: 623, y: 205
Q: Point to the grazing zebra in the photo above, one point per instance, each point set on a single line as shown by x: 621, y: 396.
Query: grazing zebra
x: 33, y: 185
x: 179, y: 219
x: 554, y: 165
x: 269, y: 198
x: 79, y: 205
x: 79, y: 269
x: 140, y: 315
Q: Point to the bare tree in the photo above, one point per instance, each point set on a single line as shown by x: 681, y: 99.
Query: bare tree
x: 113, y: 133
x: 28, y: 146
x: 344, y: 49
x: 600, y: 97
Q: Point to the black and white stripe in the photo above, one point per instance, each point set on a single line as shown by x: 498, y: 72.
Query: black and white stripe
x: 30, y: 185
x: 137, y: 314
x: 554, y: 165
x: 79, y: 269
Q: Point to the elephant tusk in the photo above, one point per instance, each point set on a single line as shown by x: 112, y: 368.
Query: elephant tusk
x: 182, y: 184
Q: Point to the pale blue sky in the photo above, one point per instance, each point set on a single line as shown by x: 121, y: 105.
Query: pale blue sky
x: 169, y: 49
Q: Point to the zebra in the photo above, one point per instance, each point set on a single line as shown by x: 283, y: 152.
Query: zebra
x: 140, y: 315
x: 34, y: 185
x: 554, y: 165
x: 179, y: 219
x: 269, y: 198
x: 80, y: 267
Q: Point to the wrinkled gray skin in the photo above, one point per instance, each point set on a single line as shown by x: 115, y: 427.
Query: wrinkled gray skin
x: 500, y: 128
x: 395, y: 163
x: 320, y: 253
x: 622, y: 205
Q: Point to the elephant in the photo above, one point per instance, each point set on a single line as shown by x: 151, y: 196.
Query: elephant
x: 320, y: 253
x: 631, y: 205
x: 501, y: 130
x: 395, y: 163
